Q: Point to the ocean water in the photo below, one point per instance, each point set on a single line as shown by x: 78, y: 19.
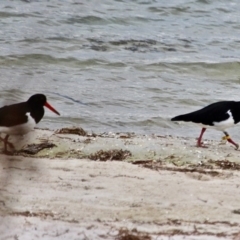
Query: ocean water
x: 119, y: 65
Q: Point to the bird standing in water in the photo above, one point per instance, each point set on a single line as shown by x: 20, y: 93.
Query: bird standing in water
x: 21, y: 118
x: 219, y: 116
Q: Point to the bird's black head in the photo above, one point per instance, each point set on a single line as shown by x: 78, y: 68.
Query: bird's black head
x: 38, y: 101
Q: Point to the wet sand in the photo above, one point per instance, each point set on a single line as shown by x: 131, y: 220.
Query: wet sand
x: 154, y: 187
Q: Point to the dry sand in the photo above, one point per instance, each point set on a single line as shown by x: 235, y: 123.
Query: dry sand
x: 167, y: 189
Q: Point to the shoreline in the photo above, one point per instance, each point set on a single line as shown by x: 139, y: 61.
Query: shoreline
x: 155, y: 186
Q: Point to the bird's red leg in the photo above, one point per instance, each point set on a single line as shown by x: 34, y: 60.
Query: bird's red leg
x: 228, y: 138
x: 199, y: 142
x: 5, y: 141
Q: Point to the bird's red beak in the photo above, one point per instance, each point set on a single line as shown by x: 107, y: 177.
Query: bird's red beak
x: 51, y: 108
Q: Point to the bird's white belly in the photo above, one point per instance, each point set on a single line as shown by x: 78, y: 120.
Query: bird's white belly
x: 20, y: 129
x: 224, y: 124
x: 221, y: 126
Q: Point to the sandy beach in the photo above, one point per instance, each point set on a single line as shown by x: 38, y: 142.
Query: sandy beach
x: 118, y: 186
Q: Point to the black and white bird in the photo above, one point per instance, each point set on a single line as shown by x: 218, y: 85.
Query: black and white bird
x: 21, y: 118
x: 219, y: 116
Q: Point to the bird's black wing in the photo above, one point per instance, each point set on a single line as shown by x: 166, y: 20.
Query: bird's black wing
x: 13, y: 115
x: 215, y: 112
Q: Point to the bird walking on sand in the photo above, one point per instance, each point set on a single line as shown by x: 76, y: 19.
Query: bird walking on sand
x: 21, y: 118
x: 219, y: 116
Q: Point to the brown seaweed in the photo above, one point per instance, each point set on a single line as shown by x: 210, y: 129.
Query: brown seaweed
x: 35, y: 148
x: 74, y: 130
x: 114, y: 154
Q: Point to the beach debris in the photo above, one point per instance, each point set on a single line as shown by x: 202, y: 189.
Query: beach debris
x: 40, y: 214
x: 236, y: 211
x: 225, y: 164
x: 126, y: 135
x: 74, y: 130
x: 87, y: 141
x: 107, y: 135
x: 160, y: 166
x: 114, y: 154
x: 142, y: 161
x: 35, y: 148
x: 217, y: 164
x: 125, y: 234
x: 151, y: 164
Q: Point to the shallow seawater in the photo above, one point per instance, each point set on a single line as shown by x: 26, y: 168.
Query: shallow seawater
x: 121, y: 66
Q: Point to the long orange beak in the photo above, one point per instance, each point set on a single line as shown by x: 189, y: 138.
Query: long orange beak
x: 51, y: 108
